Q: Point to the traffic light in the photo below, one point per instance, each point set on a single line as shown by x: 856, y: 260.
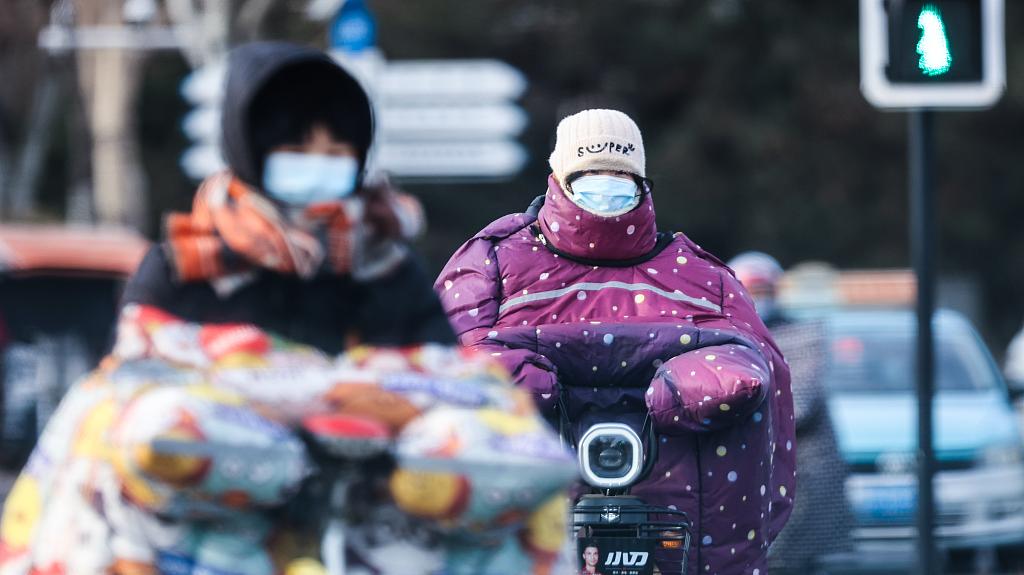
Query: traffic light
x: 932, y: 53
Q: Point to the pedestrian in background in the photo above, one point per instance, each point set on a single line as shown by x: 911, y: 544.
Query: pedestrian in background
x: 820, y: 524
x: 290, y: 238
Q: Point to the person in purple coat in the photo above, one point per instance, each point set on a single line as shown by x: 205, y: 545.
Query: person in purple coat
x: 601, y: 316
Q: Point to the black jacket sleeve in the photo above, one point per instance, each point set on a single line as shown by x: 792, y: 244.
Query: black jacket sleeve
x: 398, y: 309
x: 402, y: 309
x: 153, y: 283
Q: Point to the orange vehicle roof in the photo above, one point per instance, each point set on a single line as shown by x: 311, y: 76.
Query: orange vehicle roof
x: 814, y: 284
x: 88, y: 250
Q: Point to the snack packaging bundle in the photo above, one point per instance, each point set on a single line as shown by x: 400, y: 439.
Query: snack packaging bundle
x: 197, y: 452
x: 171, y: 455
x: 222, y: 548
x: 478, y: 471
x: 538, y: 549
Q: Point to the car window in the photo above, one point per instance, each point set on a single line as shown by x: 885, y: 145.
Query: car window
x: 883, y: 361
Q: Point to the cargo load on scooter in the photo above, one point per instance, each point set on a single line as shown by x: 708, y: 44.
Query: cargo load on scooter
x: 224, y: 449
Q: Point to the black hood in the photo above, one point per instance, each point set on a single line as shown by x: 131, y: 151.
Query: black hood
x: 250, y: 68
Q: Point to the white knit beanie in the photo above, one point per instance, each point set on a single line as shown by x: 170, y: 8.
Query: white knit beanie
x: 597, y: 140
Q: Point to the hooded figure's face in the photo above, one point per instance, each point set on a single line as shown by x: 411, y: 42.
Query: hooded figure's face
x: 276, y: 94
x: 321, y: 142
x: 321, y: 168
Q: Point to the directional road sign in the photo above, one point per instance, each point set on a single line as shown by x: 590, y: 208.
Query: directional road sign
x: 451, y: 122
x: 494, y: 159
x: 435, y: 118
x: 450, y: 81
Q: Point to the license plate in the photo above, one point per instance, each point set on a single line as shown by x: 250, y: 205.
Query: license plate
x: 891, y: 503
x: 615, y: 556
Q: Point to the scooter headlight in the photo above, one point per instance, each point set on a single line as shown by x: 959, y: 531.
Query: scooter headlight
x: 610, y: 456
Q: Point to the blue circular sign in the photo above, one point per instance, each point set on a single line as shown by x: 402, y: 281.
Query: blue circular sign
x: 354, y: 28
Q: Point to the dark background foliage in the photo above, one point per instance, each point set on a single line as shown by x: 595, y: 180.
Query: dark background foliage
x: 757, y: 135
x: 756, y: 131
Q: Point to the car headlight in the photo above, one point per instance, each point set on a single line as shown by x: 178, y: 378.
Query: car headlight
x: 610, y: 455
x: 1002, y: 455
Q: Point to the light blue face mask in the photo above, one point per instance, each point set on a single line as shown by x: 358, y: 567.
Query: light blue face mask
x: 302, y: 179
x: 605, y: 195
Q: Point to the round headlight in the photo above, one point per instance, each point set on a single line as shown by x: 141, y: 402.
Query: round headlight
x: 611, y: 455
x: 611, y: 458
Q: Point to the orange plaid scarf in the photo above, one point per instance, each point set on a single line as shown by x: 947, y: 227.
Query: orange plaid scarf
x: 233, y: 229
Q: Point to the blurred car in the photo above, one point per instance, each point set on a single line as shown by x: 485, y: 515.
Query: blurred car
x: 979, y: 482
x: 59, y: 290
x: 1013, y: 370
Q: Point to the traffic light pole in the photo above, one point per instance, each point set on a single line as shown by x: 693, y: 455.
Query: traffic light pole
x: 922, y: 242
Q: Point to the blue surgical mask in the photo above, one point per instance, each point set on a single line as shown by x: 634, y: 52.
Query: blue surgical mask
x: 605, y: 195
x: 302, y: 179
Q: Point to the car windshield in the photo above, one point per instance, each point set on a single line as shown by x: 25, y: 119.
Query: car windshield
x: 884, y: 361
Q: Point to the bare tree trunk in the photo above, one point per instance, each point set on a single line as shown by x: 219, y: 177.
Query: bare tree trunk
x: 110, y: 80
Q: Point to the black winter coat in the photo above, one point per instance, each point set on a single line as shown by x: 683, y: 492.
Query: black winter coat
x: 328, y: 310
x: 325, y: 312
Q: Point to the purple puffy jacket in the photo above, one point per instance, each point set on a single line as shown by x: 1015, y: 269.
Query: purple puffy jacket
x: 674, y: 334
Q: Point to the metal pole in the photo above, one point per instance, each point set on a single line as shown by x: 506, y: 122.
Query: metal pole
x: 922, y: 242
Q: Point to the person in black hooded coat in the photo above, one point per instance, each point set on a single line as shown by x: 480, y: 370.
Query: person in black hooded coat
x: 329, y: 269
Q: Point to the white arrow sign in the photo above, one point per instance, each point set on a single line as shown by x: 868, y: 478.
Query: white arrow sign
x: 202, y: 124
x: 451, y: 122
x: 199, y: 162
x: 205, y: 85
x: 493, y: 159
x: 478, y: 159
x: 404, y: 123
x: 436, y: 118
x: 473, y: 81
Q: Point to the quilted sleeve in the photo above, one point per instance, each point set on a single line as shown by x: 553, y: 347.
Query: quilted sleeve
x: 470, y: 291
x: 715, y: 386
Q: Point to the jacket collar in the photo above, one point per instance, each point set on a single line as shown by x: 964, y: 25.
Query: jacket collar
x: 577, y: 232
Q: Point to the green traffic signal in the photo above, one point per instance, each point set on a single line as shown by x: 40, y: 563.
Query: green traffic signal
x: 933, y: 46
x: 938, y: 54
